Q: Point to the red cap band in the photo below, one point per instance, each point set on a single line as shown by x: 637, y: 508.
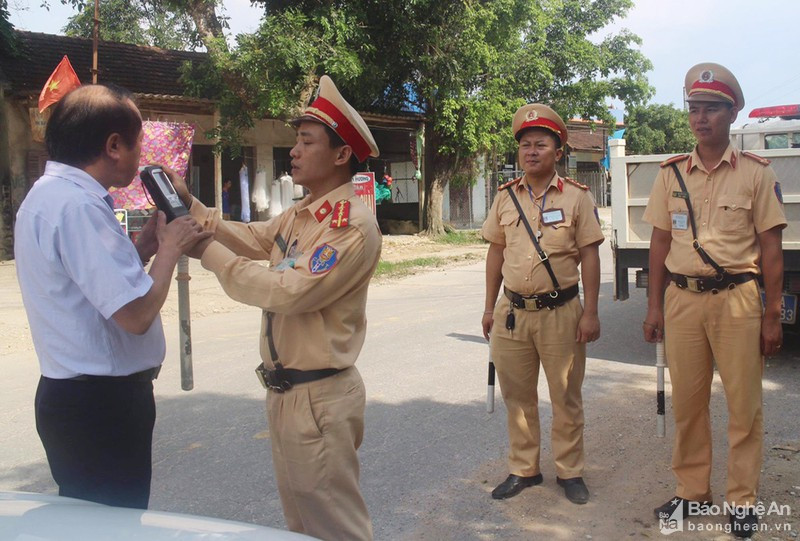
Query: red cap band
x: 714, y: 87
x: 543, y: 123
x: 328, y: 114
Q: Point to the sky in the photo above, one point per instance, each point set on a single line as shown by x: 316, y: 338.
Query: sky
x: 758, y: 41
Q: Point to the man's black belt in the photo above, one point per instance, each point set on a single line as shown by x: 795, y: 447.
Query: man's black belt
x: 145, y: 375
x: 542, y: 301
x: 714, y: 284
x: 282, y: 379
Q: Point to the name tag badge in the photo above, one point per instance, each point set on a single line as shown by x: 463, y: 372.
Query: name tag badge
x: 552, y: 216
x: 680, y: 221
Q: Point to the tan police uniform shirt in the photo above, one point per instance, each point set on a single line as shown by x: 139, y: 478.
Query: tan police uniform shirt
x: 732, y: 204
x: 523, y: 271
x: 317, y: 289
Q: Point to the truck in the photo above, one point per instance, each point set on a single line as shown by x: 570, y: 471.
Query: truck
x: 632, y: 178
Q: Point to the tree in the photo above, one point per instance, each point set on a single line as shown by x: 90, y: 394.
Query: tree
x: 471, y: 64
x: 139, y: 22
x: 467, y: 64
x: 7, y: 40
x: 657, y: 129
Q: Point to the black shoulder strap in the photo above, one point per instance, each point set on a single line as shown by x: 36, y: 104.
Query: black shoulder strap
x: 270, y: 341
x: 695, y: 243
x: 542, y: 254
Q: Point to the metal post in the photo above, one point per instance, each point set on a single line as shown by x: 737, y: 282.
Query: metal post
x: 185, y: 324
x: 95, y: 39
x: 660, y: 365
x: 490, y: 389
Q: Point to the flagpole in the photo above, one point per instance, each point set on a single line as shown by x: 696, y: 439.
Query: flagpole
x: 95, y: 36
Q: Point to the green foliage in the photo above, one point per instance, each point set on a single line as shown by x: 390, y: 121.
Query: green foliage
x: 7, y: 39
x: 461, y: 237
x: 657, y: 129
x: 138, y: 22
x: 467, y: 64
x: 398, y: 269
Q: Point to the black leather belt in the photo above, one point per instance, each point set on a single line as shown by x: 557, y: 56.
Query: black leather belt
x: 282, y: 379
x: 542, y: 301
x: 145, y: 375
x: 714, y: 284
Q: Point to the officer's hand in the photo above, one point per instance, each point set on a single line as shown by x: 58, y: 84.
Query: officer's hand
x: 588, y: 328
x: 771, y: 335
x: 147, y: 241
x: 180, y: 185
x: 487, y: 322
x: 180, y: 234
x: 653, y: 326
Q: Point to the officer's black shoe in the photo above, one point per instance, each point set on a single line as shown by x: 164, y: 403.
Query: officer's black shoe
x: 744, y: 521
x: 575, y: 489
x: 690, y: 508
x: 514, y: 484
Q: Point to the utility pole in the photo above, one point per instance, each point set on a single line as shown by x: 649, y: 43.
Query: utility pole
x: 95, y: 37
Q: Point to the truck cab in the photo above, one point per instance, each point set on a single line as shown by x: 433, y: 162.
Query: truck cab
x: 772, y: 128
x: 632, y: 178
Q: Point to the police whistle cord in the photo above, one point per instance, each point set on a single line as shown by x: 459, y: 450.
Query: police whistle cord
x: 490, y: 388
x: 660, y: 365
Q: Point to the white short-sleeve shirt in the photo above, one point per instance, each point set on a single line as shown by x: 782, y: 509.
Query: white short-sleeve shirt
x: 76, y: 267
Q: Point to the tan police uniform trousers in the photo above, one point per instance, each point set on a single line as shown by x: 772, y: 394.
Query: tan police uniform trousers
x: 546, y: 337
x: 700, y: 329
x: 316, y: 429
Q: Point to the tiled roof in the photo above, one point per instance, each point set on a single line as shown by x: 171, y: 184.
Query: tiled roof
x: 142, y: 70
x: 587, y: 140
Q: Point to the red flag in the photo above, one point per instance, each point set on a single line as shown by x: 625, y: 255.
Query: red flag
x: 62, y: 80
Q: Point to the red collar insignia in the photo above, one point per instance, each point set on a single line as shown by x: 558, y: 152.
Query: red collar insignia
x: 560, y: 185
x: 323, y: 211
x: 341, y: 214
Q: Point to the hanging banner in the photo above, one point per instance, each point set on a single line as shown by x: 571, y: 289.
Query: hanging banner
x: 164, y: 143
x: 364, y: 184
x: 38, y: 123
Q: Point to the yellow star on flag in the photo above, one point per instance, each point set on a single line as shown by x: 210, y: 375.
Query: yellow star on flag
x: 53, y: 86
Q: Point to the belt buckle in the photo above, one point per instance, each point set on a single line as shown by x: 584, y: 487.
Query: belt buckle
x: 532, y: 304
x: 277, y: 384
x: 269, y: 380
x: 693, y: 284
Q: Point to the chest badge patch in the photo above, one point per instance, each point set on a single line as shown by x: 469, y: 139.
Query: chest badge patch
x: 324, y: 258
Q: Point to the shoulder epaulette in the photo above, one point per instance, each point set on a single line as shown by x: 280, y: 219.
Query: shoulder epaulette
x: 763, y: 161
x: 576, y: 183
x: 509, y: 184
x: 674, y: 159
x: 340, y: 216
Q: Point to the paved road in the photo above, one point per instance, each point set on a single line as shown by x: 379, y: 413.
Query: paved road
x: 431, y: 452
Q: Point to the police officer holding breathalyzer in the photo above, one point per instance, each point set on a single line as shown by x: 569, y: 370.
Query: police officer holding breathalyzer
x: 322, y: 253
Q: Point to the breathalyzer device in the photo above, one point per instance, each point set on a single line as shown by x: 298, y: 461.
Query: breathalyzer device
x: 162, y: 191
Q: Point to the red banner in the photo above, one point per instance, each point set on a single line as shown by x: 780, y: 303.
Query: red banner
x: 62, y: 80
x: 364, y: 184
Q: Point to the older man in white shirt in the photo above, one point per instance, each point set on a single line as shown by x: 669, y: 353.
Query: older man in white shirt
x: 92, y: 308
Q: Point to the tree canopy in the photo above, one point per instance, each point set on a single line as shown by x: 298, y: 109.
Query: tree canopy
x: 7, y: 41
x: 140, y: 22
x: 466, y: 64
x: 657, y: 129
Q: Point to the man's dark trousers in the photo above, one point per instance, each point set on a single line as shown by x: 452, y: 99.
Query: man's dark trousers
x: 98, y: 438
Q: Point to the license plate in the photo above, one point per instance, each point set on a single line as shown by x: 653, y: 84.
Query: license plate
x: 788, y: 308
